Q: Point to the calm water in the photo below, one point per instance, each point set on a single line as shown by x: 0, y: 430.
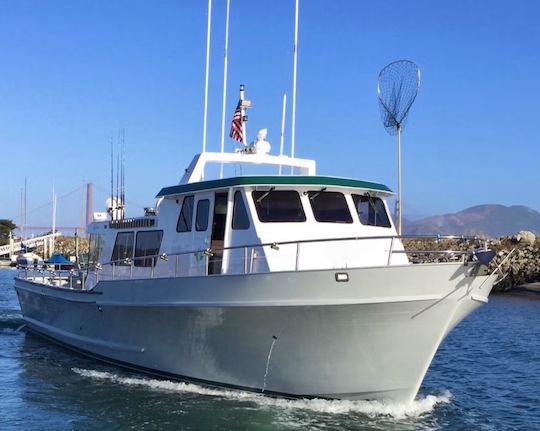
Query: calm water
x: 486, y: 376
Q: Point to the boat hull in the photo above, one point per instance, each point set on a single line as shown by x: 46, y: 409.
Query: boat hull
x: 301, y: 334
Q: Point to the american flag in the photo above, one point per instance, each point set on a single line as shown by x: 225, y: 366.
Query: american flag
x: 236, y: 124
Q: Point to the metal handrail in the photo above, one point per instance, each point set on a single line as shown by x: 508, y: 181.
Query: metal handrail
x: 276, y: 244
x: 84, y: 272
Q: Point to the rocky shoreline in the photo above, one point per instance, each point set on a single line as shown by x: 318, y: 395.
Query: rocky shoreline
x: 67, y: 245
x: 518, y: 256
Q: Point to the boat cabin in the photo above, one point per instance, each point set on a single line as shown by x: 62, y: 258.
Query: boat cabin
x: 249, y: 224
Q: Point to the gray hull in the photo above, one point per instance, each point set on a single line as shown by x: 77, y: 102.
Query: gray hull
x: 372, y: 337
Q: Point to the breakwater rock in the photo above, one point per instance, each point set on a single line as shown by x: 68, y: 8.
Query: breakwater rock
x: 517, y: 256
x: 67, y: 245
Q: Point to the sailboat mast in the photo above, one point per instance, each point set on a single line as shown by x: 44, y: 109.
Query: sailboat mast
x: 25, y: 208
x: 207, y: 74
x: 22, y: 212
x: 53, y: 219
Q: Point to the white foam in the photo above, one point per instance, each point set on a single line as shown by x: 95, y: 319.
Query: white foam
x: 416, y: 408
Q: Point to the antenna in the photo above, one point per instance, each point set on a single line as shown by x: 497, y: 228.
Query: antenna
x: 122, y: 172
x: 112, y: 180
x: 207, y: 73
x: 293, y: 125
x: 225, y: 65
x: 397, y: 88
x: 282, y: 140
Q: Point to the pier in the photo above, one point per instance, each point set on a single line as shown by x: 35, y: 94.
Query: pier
x: 15, y: 247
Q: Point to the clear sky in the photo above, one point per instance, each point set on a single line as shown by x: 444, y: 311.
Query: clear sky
x: 72, y: 73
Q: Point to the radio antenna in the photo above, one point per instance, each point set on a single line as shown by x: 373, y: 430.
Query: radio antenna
x: 295, y: 67
x: 207, y: 74
x: 397, y: 88
x: 122, y: 172
x: 112, y: 180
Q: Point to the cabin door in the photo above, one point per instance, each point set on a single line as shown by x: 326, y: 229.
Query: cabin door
x: 218, y: 233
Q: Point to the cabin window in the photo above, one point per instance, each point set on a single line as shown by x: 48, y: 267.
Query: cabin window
x: 240, y: 218
x: 95, y: 246
x: 279, y: 206
x: 201, y: 221
x: 123, y: 248
x: 330, y: 207
x: 148, y: 244
x: 186, y: 215
x: 371, y: 211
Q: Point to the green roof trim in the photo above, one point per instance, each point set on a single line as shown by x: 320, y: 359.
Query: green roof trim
x: 270, y: 180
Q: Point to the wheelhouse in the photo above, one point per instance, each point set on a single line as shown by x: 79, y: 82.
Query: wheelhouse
x: 253, y: 224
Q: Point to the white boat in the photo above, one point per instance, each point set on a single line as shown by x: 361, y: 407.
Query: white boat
x: 28, y: 258
x: 291, y: 285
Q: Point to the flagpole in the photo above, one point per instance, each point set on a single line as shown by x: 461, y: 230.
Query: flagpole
x: 243, y: 114
x: 207, y: 74
x: 293, y: 124
x: 225, y: 64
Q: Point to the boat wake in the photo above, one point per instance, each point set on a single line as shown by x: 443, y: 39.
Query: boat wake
x: 372, y: 409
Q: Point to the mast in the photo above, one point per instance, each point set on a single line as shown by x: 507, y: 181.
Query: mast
x: 207, y: 74
x: 293, y: 124
x: 24, y: 207
x: 53, y: 219
x: 225, y: 66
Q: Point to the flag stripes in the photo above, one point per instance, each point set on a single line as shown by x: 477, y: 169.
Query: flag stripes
x: 236, y: 124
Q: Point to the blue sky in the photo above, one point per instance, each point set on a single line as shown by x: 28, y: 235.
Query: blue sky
x: 72, y: 73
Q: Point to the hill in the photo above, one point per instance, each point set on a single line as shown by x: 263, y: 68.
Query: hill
x: 487, y: 220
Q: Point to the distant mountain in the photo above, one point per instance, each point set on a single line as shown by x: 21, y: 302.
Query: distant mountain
x: 488, y: 220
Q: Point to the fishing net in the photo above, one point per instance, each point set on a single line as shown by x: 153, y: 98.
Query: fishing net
x: 397, y: 88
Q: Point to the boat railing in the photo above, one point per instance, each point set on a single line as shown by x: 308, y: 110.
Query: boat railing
x: 253, y: 258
